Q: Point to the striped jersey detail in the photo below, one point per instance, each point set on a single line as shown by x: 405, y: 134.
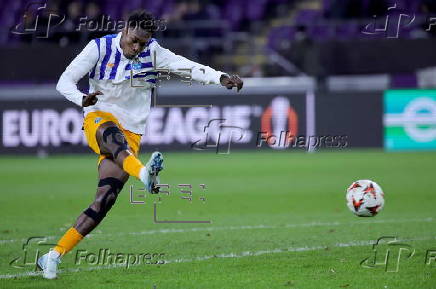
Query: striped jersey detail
x: 108, y: 64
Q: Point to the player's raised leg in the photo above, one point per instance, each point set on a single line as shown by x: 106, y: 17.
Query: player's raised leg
x: 112, y: 142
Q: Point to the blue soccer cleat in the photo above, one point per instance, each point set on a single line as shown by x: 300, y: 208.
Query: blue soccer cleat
x: 149, y: 175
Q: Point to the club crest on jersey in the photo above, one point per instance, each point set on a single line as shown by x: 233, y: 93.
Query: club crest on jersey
x: 136, y: 65
x: 97, y: 120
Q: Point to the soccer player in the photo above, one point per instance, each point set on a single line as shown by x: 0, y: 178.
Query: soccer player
x: 116, y: 113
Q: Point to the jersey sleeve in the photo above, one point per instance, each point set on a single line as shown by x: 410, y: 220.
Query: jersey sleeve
x: 166, y: 59
x: 78, y: 68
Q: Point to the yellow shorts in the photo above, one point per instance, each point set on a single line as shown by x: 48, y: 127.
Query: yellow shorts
x: 91, y: 123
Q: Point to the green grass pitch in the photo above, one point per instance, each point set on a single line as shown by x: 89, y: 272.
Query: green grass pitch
x: 278, y: 220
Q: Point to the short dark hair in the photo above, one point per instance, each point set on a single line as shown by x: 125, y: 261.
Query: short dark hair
x: 142, y: 19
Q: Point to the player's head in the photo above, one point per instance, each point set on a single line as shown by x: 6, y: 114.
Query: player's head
x: 137, y: 32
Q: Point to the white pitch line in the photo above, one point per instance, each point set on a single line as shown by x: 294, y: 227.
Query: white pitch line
x: 244, y: 227
x: 251, y: 227
x: 222, y: 255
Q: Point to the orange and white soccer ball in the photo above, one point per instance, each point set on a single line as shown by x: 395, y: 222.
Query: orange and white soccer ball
x: 365, y: 198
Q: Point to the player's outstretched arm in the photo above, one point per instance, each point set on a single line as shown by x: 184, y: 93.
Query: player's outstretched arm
x: 165, y: 59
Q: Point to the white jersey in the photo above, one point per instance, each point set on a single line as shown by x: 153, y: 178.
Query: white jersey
x: 110, y: 72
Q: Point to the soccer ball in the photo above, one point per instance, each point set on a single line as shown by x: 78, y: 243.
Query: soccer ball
x: 365, y: 198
